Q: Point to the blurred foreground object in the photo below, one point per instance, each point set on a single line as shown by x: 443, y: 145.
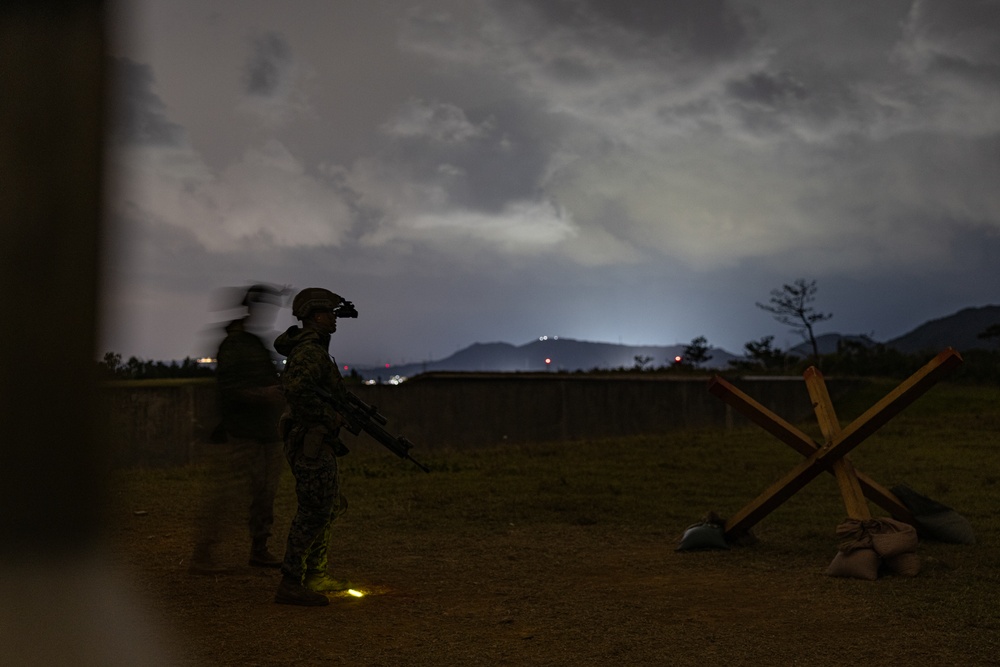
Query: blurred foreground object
x: 59, y: 602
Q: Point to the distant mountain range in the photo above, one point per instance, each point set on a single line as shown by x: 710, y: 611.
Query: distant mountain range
x: 959, y: 331
x: 548, y: 354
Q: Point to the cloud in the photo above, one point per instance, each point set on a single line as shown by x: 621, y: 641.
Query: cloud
x: 592, y: 154
x: 952, y: 50
x: 275, y: 84
x: 959, y: 36
x: 269, y: 65
x: 526, y: 226
x: 138, y: 113
x: 629, y: 133
x: 441, y: 122
x: 710, y: 150
x: 267, y: 198
x: 703, y: 29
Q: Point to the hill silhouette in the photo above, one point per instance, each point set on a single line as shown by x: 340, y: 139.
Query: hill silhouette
x: 959, y: 330
x: 563, y: 354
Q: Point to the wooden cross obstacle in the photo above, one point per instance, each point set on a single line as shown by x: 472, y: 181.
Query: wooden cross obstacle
x: 831, y: 456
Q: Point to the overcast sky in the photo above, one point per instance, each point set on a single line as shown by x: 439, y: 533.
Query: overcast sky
x: 626, y: 171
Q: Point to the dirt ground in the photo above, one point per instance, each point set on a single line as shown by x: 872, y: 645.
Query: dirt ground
x: 558, y: 595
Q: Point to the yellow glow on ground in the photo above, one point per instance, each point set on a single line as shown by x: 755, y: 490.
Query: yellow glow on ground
x: 362, y: 592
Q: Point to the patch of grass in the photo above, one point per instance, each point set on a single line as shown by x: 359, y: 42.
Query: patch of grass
x: 652, y: 488
x: 944, y: 445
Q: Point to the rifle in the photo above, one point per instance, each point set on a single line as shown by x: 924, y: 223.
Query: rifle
x: 363, y: 417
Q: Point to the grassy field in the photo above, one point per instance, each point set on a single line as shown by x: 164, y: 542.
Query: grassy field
x: 530, y: 554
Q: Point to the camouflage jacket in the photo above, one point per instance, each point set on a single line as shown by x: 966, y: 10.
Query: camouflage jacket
x: 310, y: 379
x: 246, y: 376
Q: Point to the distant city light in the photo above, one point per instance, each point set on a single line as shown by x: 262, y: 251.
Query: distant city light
x: 547, y: 360
x: 678, y: 359
x: 395, y: 379
x: 206, y: 360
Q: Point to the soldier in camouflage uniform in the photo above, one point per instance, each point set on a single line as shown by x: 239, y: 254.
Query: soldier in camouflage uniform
x: 311, y: 427
x: 247, y: 450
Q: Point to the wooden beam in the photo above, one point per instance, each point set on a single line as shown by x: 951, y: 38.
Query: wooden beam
x: 843, y: 470
x: 844, y: 441
x: 802, y: 443
x: 893, y: 403
x: 761, y: 416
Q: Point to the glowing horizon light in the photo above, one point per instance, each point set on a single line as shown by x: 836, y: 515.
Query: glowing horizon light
x: 548, y: 361
x: 355, y: 593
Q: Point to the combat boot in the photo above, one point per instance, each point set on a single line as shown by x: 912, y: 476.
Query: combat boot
x: 260, y: 556
x: 292, y: 592
x: 321, y: 582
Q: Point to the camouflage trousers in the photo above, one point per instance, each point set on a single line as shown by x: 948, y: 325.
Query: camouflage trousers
x: 317, y: 492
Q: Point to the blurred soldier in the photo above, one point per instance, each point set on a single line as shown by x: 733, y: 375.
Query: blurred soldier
x: 311, y: 427
x: 247, y: 449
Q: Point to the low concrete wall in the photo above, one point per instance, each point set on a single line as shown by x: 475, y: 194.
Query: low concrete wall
x: 161, y: 424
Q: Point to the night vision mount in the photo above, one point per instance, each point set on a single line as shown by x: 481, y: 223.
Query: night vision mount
x: 346, y: 309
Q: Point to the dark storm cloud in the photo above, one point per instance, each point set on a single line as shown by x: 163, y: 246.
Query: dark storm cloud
x: 702, y: 28
x: 571, y: 71
x: 961, y: 36
x: 483, y: 161
x: 599, y: 169
x: 768, y: 89
x: 265, y: 69
x: 138, y: 114
x: 785, y: 106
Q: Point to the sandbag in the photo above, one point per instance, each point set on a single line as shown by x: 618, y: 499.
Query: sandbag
x: 860, y: 563
x: 905, y: 564
x: 867, y: 543
x: 703, y: 535
x: 892, y: 538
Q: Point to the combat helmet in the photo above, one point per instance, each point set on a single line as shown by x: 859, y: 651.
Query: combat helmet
x: 264, y: 293
x: 314, y: 298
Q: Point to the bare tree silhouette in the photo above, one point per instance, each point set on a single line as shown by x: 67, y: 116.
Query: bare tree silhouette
x: 791, y: 305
